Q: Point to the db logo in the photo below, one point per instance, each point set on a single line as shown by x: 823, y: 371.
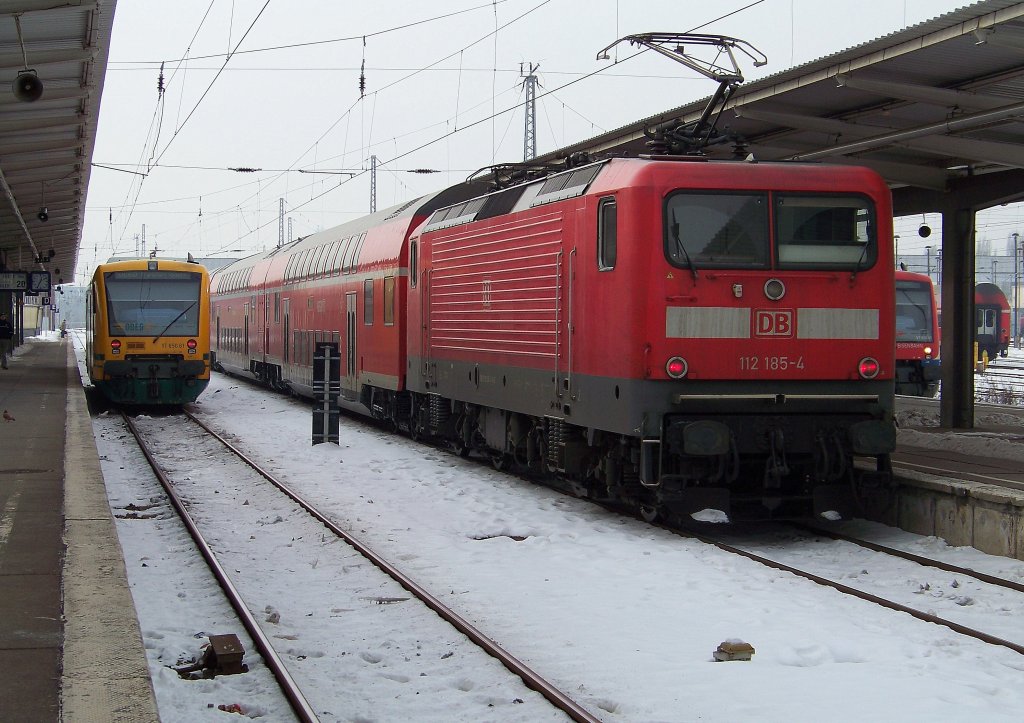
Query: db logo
x: 775, y: 322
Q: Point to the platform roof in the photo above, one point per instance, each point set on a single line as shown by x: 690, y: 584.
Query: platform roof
x: 46, y: 145
x: 935, y: 108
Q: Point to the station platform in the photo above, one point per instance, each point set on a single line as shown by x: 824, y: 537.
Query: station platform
x: 70, y: 644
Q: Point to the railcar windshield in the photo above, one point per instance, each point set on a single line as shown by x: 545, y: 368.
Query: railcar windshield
x: 151, y: 303
x: 735, y: 229
x: 913, y: 312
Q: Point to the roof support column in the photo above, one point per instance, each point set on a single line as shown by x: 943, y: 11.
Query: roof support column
x: 957, y: 402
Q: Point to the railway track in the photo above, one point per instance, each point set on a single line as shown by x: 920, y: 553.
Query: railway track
x: 967, y: 585
x: 189, y: 435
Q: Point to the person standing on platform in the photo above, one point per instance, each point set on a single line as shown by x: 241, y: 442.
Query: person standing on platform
x: 6, y: 334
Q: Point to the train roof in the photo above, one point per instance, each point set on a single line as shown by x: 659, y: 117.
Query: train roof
x: 409, y: 210
x: 613, y: 173
x: 146, y: 264
x: 902, y: 275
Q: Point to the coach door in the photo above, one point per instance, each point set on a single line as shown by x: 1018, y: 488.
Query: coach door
x: 266, y: 327
x: 286, y: 330
x: 429, y: 365
x: 350, y: 341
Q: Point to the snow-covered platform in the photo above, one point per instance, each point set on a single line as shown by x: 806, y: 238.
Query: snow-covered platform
x: 964, y: 486
x: 69, y: 636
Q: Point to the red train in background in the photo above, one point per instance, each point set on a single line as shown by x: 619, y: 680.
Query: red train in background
x: 918, y: 369
x: 992, y: 317
x: 675, y: 333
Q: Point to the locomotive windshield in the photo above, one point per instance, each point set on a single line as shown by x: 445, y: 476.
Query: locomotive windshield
x: 913, y: 312
x: 148, y: 303
x: 733, y: 230
x: 824, y: 232
x: 715, y: 230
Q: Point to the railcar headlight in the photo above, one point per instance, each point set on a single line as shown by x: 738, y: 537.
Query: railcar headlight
x: 676, y: 367
x: 928, y: 351
x: 868, y: 368
x: 774, y: 289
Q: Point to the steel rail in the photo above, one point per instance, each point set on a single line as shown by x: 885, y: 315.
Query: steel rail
x: 532, y: 679
x: 303, y: 710
x: 926, y: 561
x: 847, y: 590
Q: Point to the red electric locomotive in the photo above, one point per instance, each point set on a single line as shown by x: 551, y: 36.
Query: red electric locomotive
x: 992, y: 314
x: 677, y: 333
x: 918, y: 369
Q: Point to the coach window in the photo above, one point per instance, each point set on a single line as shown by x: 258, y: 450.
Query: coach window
x: 716, y: 230
x: 368, y: 302
x: 607, y: 234
x: 389, y: 300
x: 825, y: 232
x: 277, y: 307
x: 414, y: 263
x: 335, y: 265
x: 321, y: 263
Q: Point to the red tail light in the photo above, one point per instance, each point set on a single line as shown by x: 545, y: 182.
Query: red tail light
x: 869, y: 368
x: 676, y: 367
x: 115, y: 346
x: 191, y: 343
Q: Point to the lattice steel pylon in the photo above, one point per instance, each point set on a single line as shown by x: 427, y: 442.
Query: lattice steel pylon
x: 373, y: 183
x: 280, y: 222
x: 530, y: 130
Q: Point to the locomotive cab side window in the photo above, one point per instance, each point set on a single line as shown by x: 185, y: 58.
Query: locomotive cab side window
x: 833, y: 232
x: 607, y: 234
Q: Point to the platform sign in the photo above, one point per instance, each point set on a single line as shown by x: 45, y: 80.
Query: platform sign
x: 13, y: 281
x: 326, y: 389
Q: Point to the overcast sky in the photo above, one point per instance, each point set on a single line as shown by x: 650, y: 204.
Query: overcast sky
x: 443, y: 91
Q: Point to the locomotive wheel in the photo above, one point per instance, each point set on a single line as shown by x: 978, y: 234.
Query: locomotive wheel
x: 501, y: 462
x: 649, y: 513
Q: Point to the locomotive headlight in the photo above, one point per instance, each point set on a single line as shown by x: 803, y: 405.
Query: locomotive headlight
x: 115, y: 346
x: 676, y: 367
x: 774, y: 289
x: 868, y: 368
